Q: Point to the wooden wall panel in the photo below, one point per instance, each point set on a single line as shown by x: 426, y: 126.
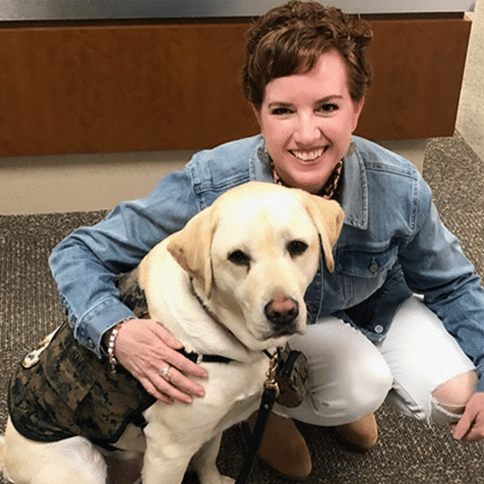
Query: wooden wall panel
x: 117, y: 88
x: 125, y: 88
x: 418, y: 67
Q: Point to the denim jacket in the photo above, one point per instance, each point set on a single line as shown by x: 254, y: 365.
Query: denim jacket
x: 392, y: 244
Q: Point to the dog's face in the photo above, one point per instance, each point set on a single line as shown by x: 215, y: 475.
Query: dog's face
x: 255, y: 251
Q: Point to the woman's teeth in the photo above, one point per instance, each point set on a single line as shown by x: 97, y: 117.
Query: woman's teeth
x: 308, y: 155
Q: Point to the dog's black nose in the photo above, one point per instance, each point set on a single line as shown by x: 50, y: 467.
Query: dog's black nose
x: 282, y: 310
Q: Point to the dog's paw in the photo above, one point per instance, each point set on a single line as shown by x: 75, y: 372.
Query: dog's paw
x: 218, y: 479
x: 226, y: 480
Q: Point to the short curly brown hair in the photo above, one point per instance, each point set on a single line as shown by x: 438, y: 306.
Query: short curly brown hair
x: 290, y: 38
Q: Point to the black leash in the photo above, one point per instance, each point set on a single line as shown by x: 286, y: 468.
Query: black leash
x: 268, y: 399
x: 271, y: 392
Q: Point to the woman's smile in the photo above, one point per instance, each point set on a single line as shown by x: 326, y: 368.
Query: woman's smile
x: 308, y: 156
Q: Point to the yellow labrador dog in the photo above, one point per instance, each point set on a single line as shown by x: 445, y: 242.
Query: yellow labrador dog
x: 231, y: 283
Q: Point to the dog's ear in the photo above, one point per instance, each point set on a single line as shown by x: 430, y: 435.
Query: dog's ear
x: 190, y: 247
x: 328, y: 217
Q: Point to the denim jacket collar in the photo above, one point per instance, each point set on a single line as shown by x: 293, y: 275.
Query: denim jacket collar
x: 355, y: 190
x: 261, y: 163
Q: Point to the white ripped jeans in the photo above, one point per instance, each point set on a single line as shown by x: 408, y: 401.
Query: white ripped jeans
x: 350, y: 376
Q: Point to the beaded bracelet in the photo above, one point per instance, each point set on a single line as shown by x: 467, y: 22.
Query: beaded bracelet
x: 111, y: 342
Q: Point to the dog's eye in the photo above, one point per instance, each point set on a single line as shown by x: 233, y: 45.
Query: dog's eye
x: 296, y: 247
x: 239, y: 258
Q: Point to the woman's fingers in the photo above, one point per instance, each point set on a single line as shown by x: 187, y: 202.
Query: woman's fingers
x: 149, y: 352
x: 177, y: 359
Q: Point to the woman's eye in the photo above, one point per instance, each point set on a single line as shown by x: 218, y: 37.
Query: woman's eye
x: 328, y: 108
x: 280, y: 111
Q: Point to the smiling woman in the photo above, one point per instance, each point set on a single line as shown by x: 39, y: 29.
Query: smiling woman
x: 307, y: 120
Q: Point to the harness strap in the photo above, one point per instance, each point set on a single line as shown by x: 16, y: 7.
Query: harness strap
x: 196, y: 358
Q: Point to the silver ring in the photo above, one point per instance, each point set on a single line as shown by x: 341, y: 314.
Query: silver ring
x: 165, y: 372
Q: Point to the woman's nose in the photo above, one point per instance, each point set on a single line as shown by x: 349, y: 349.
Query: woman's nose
x: 307, y: 130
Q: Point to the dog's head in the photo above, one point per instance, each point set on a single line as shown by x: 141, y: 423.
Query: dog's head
x: 254, y: 252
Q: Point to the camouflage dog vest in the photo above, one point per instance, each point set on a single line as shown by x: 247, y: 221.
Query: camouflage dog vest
x: 62, y: 389
x: 65, y: 390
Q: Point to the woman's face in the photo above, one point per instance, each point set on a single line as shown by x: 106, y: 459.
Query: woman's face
x: 307, y: 121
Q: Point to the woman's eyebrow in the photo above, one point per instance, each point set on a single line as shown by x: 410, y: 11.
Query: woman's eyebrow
x: 325, y: 99
x: 279, y: 104
x: 332, y: 97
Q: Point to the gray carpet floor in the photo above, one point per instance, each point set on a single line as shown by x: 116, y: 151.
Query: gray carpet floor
x: 408, y: 451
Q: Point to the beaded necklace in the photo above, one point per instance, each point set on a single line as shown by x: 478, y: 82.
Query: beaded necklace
x: 330, y: 188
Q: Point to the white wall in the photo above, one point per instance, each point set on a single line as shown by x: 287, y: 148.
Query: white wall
x: 122, y: 9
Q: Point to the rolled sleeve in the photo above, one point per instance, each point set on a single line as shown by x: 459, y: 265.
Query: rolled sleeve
x: 90, y: 329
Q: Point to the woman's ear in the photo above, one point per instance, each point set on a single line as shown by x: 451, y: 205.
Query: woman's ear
x: 357, y: 108
x: 256, y: 111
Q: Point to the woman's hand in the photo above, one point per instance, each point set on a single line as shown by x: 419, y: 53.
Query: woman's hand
x: 470, y: 427
x: 147, y: 349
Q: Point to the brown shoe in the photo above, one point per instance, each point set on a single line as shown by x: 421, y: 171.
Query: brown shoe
x: 361, y: 435
x: 283, y: 448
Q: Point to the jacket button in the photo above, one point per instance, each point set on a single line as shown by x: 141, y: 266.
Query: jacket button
x: 378, y: 328
x: 374, y: 267
x: 90, y: 343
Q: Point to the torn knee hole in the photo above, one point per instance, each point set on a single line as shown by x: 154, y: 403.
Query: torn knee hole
x: 445, y: 414
x: 454, y: 394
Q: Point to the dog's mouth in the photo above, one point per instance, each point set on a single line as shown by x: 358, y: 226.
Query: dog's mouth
x: 278, y: 331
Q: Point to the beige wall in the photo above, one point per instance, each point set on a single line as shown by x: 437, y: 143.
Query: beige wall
x: 93, y: 182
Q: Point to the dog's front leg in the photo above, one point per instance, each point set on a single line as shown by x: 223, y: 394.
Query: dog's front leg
x: 166, y: 458
x: 205, y: 463
x: 165, y: 467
